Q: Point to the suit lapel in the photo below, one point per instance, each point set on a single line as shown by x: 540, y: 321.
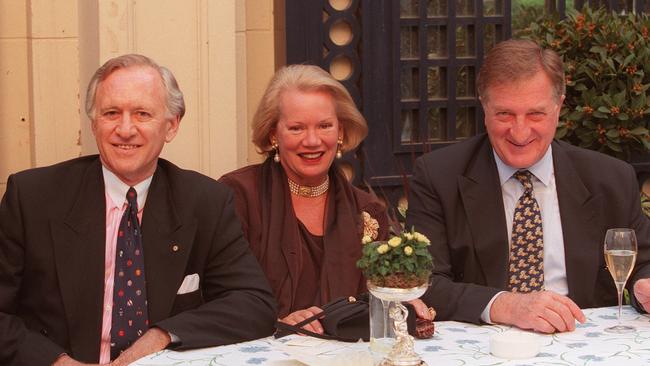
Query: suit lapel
x: 578, y: 208
x: 480, y: 192
x: 79, y: 250
x: 167, y: 243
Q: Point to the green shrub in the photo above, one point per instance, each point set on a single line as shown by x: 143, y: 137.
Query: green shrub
x: 607, y: 64
x: 524, y: 15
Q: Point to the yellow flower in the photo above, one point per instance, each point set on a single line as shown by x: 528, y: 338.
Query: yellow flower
x: 382, y: 249
x: 366, y: 239
x: 395, y: 241
x: 408, y: 250
x: 408, y: 236
x: 421, y: 238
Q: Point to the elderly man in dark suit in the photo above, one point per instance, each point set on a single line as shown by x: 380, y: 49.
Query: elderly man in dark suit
x: 516, y: 219
x: 109, y: 258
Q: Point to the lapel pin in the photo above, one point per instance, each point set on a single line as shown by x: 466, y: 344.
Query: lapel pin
x: 175, y: 247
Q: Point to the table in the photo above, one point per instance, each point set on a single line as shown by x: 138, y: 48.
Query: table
x: 454, y: 343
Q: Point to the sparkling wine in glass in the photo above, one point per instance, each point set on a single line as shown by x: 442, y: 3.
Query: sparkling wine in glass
x: 620, y: 256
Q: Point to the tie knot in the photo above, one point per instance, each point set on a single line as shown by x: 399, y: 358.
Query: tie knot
x: 524, y: 177
x: 132, y: 198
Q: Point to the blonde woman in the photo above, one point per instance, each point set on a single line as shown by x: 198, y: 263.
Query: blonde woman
x: 303, y: 219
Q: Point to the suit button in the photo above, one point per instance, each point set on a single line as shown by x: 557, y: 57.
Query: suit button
x: 44, y: 332
x: 175, y: 248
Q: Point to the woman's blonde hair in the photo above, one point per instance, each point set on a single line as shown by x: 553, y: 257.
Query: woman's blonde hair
x: 307, y: 78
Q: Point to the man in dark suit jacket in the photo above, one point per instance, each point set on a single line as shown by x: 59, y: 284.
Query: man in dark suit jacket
x: 203, y: 286
x: 463, y: 198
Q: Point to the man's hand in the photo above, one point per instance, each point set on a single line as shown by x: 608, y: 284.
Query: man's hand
x: 642, y: 293
x: 545, y: 311
x: 154, y: 340
x: 66, y: 360
x: 300, y: 315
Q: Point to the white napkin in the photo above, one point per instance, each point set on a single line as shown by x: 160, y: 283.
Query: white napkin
x: 190, y: 284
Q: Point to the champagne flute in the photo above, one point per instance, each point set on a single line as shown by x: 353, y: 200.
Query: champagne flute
x: 620, y: 256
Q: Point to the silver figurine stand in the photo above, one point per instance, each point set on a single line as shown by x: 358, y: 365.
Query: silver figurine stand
x: 402, y: 353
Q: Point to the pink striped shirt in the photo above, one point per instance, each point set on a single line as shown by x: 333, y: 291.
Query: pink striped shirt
x: 115, y: 191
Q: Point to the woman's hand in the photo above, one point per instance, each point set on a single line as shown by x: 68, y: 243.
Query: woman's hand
x: 300, y: 315
x: 421, y: 309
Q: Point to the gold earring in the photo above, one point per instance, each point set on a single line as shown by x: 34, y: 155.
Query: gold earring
x: 339, y: 153
x: 276, y: 156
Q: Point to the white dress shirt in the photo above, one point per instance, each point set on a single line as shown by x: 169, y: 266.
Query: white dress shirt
x: 545, y: 192
x: 116, y: 189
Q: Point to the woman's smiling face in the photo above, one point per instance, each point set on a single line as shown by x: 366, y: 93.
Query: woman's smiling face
x: 307, y: 133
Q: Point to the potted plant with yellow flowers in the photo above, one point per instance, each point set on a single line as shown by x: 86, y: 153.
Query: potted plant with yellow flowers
x: 397, y: 270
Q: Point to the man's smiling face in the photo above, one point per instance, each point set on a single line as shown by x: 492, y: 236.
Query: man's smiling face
x: 131, y: 123
x: 521, y: 118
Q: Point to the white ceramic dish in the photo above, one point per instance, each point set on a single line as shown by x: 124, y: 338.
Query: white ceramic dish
x: 513, y: 344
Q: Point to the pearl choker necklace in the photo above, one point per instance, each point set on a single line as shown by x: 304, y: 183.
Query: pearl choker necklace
x: 307, y: 191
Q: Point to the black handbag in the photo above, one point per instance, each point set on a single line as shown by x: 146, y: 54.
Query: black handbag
x: 345, y: 319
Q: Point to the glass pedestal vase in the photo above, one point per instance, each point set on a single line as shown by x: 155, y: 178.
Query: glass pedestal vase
x: 382, y: 334
x: 401, y: 352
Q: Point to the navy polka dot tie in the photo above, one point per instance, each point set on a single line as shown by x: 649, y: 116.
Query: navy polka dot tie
x: 130, y: 319
x: 526, y: 267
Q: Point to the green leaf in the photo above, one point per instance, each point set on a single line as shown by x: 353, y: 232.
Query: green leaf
x: 627, y: 60
x: 595, y: 65
x: 598, y: 49
x: 421, y: 251
x: 580, y: 87
x: 575, y: 115
x: 646, y: 143
x: 639, y: 102
x: 599, y: 114
x: 619, y: 98
x: 643, y: 140
x: 614, y: 146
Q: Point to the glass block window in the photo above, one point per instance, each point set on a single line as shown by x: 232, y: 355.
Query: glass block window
x: 441, y: 45
x: 436, y: 8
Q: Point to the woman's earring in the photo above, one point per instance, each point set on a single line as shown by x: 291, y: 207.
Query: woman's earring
x: 339, y: 153
x: 276, y: 156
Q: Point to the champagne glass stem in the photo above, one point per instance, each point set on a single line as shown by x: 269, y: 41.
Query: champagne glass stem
x: 620, y: 304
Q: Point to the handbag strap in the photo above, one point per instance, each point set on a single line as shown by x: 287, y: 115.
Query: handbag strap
x: 284, y: 329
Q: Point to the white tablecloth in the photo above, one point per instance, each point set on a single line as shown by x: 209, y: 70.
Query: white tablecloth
x: 454, y: 343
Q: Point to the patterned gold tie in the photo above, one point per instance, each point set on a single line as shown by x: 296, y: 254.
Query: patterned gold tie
x: 526, y: 267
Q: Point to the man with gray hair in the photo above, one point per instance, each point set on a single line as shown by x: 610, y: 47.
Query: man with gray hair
x: 108, y: 258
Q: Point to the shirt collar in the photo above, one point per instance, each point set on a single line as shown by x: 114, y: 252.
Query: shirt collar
x: 542, y: 169
x: 117, y: 189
